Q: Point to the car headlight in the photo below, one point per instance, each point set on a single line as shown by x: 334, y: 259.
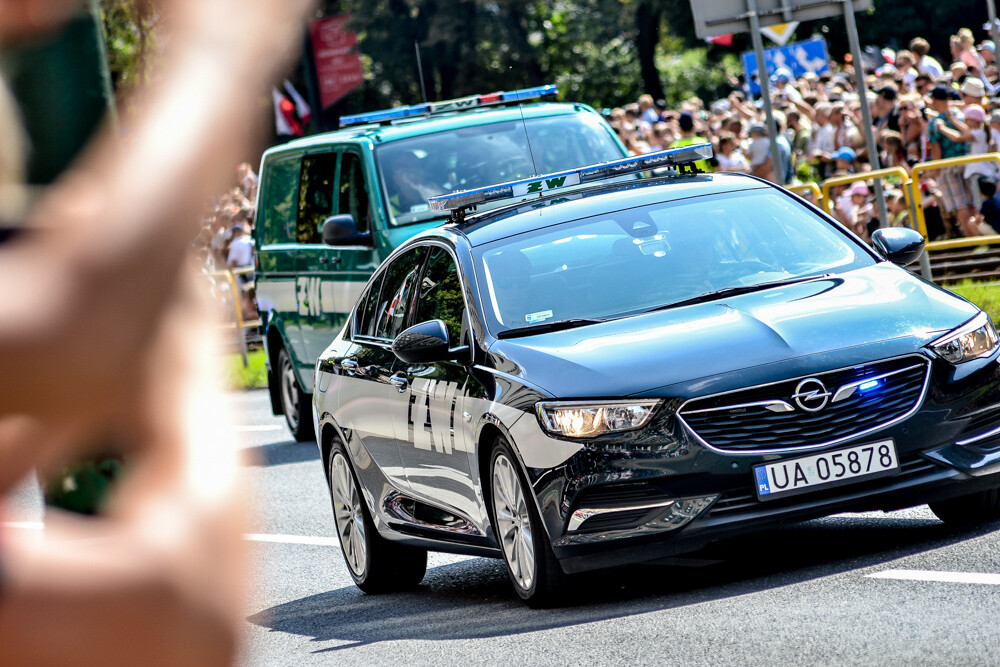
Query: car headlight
x: 974, y: 339
x: 583, y: 419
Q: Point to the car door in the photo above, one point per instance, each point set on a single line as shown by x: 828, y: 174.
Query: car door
x: 366, y: 397
x: 275, y: 256
x: 436, y: 448
x: 330, y: 279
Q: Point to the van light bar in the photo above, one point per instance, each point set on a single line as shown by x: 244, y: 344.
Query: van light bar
x: 431, y: 108
x: 674, y: 157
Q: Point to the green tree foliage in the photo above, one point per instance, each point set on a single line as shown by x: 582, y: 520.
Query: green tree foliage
x: 130, y: 33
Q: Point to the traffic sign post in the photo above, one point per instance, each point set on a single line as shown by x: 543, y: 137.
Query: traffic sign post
x: 720, y: 17
x: 765, y: 92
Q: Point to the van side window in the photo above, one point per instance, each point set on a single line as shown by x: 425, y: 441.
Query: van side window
x: 315, y: 196
x: 397, y: 293
x: 277, y: 215
x: 354, y: 191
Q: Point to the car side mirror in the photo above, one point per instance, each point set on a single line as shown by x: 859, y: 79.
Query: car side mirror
x: 342, y: 230
x: 898, y: 245
x: 427, y: 342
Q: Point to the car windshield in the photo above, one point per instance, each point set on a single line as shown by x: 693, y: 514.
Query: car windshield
x: 472, y: 157
x: 649, y: 257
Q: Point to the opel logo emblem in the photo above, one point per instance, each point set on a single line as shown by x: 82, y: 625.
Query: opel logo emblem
x: 811, y: 395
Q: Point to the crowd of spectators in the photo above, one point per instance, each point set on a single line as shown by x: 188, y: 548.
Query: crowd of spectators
x: 920, y: 111
x: 225, y: 240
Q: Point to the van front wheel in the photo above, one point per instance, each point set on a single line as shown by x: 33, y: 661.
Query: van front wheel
x: 294, y: 402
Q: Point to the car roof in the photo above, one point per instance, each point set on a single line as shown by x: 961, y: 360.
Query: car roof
x: 422, y: 125
x: 597, y: 200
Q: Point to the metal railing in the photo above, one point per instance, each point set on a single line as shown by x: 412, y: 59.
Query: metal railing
x: 950, y: 244
x: 239, y: 324
x: 811, y: 188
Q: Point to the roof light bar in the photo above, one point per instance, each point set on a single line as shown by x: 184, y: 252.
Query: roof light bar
x: 431, y: 108
x: 674, y: 157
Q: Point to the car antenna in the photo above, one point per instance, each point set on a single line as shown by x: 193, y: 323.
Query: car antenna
x: 420, y: 71
x: 524, y: 126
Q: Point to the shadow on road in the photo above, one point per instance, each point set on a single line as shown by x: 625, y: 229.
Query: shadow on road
x: 280, y: 453
x: 473, y: 598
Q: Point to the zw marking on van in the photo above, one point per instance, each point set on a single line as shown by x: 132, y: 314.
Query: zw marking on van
x: 310, y: 302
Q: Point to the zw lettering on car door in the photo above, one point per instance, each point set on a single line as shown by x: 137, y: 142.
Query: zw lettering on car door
x: 436, y: 442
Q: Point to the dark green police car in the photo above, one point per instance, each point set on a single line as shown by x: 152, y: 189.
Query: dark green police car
x: 331, y: 207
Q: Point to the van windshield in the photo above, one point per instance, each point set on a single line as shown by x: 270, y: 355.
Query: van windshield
x: 472, y: 157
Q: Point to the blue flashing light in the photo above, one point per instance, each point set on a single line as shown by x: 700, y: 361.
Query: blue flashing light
x: 462, y: 103
x: 871, y: 384
x: 674, y: 157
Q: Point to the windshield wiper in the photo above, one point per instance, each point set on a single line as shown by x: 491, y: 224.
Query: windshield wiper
x: 547, y: 327
x: 736, y: 290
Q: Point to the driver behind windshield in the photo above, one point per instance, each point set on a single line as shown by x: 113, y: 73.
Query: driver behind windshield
x: 410, y: 185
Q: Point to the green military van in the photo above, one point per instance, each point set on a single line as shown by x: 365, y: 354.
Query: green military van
x: 364, y: 189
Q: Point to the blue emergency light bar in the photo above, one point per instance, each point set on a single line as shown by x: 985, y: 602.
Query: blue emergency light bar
x: 459, y: 104
x: 674, y: 157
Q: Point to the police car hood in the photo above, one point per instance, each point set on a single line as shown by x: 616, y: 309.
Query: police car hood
x: 872, y: 313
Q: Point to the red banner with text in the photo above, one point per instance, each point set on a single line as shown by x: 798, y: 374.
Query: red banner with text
x: 338, y: 64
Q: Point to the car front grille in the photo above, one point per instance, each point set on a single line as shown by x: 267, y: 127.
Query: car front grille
x: 793, y: 414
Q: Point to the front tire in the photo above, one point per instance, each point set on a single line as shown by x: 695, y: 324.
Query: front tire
x: 533, y: 569
x: 294, y: 401
x: 376, y: 564
x: 973, y: 508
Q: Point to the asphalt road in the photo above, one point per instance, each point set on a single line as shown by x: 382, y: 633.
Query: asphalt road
x: 870, y: 589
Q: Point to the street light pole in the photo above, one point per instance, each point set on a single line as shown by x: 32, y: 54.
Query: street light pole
x: 765, y: 90
x: 866, y: 116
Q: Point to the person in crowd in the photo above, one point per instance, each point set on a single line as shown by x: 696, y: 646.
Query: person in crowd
x: 893, y: 150
x: 972, y: 90
x: 989, y: 210
x: 885, y: 110
x: 648, y: 115
x: 104, y: 303
x: 906, y: 68
x: 949, y: 137
x: 689, y: 138
x: 979, y: 144
x: 899, y: 212
x: 843, y: 160
x: 926, y: 64
x: 729, y: 156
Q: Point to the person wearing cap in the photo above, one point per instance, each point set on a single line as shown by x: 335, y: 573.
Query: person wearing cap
x: 690, y: 138
x: 987, y: 51
x: 975, y: 119
x: 843, y: 159
x: 783, y: 90
x: 948, y: 137
x: 761, y: 163
x: 989, y: 210
x: 885, y: 111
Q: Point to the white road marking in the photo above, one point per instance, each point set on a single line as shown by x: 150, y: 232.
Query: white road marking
x: 945, y: 577
x: 293, y: 539
x: 250, y: 429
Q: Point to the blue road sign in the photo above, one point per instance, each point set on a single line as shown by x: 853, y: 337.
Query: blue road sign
x: 800, y: 57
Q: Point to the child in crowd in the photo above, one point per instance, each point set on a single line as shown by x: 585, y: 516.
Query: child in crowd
x: 899, y: 213
x: 975, y: 118
x: 989, y: 211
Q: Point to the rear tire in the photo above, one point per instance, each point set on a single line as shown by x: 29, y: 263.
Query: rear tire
x: 973, y: 508
x: 376, y: 564
x: 533, y: 569
x: 295, y: 403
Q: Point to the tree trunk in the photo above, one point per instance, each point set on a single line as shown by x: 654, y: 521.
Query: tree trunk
x: 647, y: 19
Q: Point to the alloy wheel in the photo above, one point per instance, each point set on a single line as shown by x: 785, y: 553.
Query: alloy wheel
x: 513, y: 522
x: 348, y: 514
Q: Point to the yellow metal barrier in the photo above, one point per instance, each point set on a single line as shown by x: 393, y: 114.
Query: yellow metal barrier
x: 922, y: 167
x: 240, y: 324
x: 888, y: 172
x: 811, y: 188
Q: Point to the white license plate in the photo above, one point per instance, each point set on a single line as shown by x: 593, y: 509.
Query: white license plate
x: 824, y: 470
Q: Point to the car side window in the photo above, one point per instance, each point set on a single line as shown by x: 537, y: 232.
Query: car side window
x: 277, y: 214
x: 354, y: 191
x: 315, y: 196
x: 364, y: 317
x: 441, y: 294
x: 397, y: 292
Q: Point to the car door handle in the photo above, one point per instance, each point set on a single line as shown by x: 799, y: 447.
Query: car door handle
x: 349, y: 366
x: 400, y: 382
